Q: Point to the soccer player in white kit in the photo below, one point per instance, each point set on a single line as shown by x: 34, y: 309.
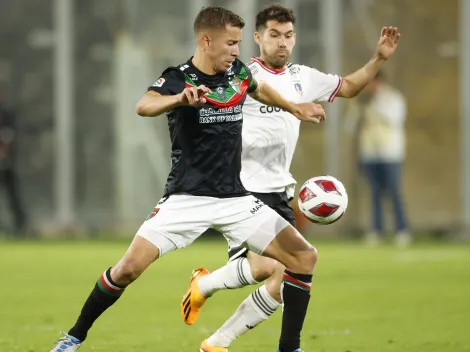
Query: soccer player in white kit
x: 269, y: 139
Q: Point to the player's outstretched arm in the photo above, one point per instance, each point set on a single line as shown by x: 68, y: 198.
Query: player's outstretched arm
x: 355, y: 82
x: 267, y: 95
x: 154, y: 104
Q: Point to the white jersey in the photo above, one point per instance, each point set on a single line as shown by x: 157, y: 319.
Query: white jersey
x: 270, y: 134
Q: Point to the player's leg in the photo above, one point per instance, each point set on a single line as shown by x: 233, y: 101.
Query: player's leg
x: 112, y: 283
x: 158, y: 235
x: 267, y: 233
x: 255, y: 309
x: 262, y: 303
x: 107, y: 290
x: 244, y: 267
x: 299, y: 258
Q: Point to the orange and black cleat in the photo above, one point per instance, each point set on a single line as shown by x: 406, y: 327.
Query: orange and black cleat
x: 193, y: 300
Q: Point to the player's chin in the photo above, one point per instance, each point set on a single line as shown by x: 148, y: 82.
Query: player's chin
x: 226, y: 65
x: 280, y: 61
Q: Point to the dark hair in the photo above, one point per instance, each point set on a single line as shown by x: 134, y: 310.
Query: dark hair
x: 216, y: 17
x: 275, y: 12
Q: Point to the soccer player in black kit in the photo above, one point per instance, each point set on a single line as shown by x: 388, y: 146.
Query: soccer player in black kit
x: 203, y: 99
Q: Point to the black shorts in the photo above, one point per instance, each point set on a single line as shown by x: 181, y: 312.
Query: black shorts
x: 276, y: 201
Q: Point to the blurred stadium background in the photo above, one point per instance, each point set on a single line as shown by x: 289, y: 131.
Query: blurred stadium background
x: 72, y: 71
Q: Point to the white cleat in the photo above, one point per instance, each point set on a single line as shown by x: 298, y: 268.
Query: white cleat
x: 66, y: 343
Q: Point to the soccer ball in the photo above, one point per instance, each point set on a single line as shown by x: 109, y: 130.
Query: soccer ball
x: 323, y: 199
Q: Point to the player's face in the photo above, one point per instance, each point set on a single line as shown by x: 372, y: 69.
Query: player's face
x: 276, y: 43
x: 223, y: 47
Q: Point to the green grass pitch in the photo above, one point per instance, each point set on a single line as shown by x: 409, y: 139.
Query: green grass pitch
x: 363, y: 300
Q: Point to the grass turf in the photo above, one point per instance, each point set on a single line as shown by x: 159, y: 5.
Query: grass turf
x: 363, y: 300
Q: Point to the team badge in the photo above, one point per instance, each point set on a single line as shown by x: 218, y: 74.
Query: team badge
x: 221, y: 92
x: 235, y: 84
x: 159, y: 82
x: 298, y: 88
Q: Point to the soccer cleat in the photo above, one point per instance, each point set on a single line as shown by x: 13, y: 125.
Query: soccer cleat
x: 193, y: 300
x: 66, y: 343
x: 297, y: 350
x: 205, y: 347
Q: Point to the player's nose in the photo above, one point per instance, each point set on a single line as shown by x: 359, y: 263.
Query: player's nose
x: 236, y: 51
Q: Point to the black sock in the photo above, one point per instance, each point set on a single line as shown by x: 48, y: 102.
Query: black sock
x: 103, y: 296
x: 295, y: 295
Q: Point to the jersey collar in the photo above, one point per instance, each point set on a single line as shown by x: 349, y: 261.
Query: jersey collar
x: 269, y: 69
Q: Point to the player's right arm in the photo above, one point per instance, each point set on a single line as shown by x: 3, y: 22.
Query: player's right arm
x: 154, y: 104
x: 169, y: 92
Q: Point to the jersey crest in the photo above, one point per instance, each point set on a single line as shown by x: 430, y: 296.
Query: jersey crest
x: 226, y: 96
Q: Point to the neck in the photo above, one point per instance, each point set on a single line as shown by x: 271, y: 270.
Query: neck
x: 268, y: 64
x: 202, y: 63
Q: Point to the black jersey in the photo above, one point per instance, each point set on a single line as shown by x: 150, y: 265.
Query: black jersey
x: 206, y: 141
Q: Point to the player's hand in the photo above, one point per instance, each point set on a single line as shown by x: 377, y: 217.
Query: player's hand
x: 309, y: 112
x: 193, y: 95
x: 388, y: 42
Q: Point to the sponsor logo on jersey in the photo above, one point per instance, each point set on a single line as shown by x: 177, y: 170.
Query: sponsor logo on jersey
x: 266, y: 109
x: 257, y: 206
x: 298, y: 88
x: 228, y: 114
x: 159, y: 82
x: 193, y: 76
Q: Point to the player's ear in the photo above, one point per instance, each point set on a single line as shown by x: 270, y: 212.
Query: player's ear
x: 205, y: 41
x: 257, y: 37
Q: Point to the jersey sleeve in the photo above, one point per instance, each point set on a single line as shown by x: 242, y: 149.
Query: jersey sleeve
x: 252, y: 82
x: 171, y: 82
x: 321, y: 86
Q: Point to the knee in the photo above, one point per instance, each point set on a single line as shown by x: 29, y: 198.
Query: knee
x: 306, y: 260
x: 263, y: 271
x: 126, y: 271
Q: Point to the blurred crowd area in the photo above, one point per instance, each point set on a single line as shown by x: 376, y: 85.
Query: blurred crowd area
x: 121, y: 160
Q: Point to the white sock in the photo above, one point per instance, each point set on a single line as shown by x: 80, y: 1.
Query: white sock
x: 233, y: 275
x: 258, y: 307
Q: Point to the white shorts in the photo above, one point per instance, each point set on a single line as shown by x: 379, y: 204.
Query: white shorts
x: 180, y: 219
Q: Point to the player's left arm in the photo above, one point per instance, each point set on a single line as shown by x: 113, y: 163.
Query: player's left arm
x: 267, y: 95
x: 386, y: 46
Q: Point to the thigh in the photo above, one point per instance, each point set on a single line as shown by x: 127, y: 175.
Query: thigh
x: 276, y: 201
x: 248, y: 221
x: 177, y: 221
x: 279, y: 202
